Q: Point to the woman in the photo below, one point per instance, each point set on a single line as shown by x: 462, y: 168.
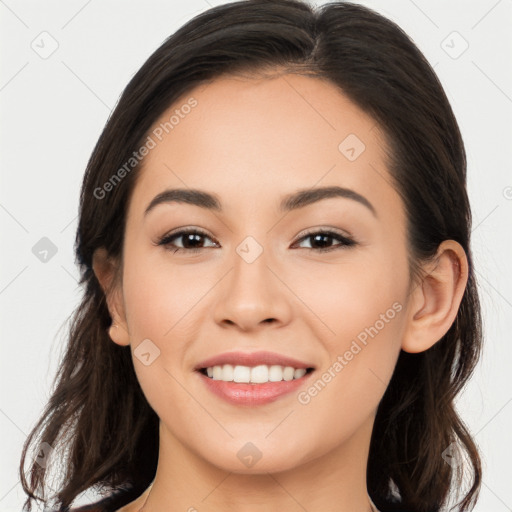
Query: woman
x: 280, y: 303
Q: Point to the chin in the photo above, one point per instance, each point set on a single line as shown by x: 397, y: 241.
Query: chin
x: 258, y: 457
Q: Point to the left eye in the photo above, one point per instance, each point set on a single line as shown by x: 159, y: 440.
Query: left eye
x: 320, y: 237
x: 192, y: 239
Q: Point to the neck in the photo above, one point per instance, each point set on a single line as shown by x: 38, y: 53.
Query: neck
x: 338, y: 476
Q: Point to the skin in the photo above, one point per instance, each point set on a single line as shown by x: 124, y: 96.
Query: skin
x: 251, y: 141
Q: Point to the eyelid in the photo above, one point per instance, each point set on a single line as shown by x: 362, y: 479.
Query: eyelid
x: 325, y: 229
x: 176, y: 233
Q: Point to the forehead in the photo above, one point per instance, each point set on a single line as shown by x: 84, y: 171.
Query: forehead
x: 257, y: 136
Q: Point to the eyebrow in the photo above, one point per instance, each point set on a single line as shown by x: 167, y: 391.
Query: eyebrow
x: 293, y: 201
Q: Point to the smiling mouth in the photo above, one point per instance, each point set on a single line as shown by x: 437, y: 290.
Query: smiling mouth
x: 261, y: 374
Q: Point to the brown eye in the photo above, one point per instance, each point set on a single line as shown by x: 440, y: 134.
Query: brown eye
x: 191, y: 240
x: 321, y: 241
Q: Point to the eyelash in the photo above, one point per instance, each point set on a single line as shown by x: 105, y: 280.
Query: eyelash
x: 345, y: 241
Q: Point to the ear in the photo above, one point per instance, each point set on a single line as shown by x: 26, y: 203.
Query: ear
x: 436, y: 299
x: 106, y: 271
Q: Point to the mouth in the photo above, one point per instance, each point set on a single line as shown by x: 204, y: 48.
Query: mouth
x: 253, y: 378
x: 255, y: 375
x: 238, y: 362
x: 237, y: 385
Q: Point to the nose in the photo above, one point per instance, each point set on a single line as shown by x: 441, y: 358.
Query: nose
x: 253, y: 296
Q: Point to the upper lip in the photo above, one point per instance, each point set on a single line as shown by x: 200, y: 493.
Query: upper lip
x: 252, y: 359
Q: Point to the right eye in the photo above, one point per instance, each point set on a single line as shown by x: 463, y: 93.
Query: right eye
x: 191, y: 239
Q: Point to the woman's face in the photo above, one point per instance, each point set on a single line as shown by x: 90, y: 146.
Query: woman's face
x: 259, y: 280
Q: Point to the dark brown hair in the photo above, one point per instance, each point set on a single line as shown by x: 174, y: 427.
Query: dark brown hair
x: 97, y: 413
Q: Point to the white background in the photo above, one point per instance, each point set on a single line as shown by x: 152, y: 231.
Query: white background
x: 53, y: 110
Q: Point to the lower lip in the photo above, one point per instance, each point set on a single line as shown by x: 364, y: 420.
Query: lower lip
x: 252, y: 394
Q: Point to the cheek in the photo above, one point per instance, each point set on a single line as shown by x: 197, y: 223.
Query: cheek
x: 359, y: 314
x: 159, y: 302
x: 366, y: 317
x: 158, y: 295
x: 360, y: 297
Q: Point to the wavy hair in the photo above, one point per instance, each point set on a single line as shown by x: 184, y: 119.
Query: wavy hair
x: 98, y: 415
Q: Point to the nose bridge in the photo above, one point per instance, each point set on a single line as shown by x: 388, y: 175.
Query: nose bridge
x: 252, y: 294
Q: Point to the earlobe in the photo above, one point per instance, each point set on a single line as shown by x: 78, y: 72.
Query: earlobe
x: 435, y: 301
x: 105, y: 270
x: 118, y: 334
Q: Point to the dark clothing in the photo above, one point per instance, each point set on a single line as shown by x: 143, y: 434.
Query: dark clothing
x: 107, y: 504
x: 110, y: 503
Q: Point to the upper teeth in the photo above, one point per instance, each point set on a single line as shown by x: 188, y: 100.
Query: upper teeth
x: 256, y: 374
